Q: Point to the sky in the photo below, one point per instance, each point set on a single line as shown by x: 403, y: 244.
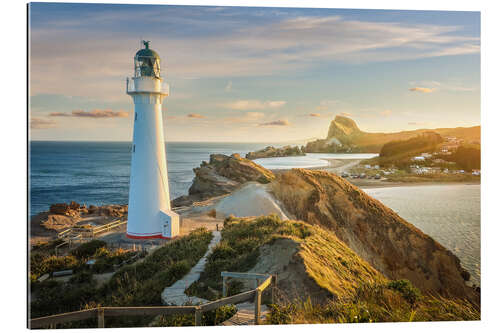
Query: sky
x: 252, y: 74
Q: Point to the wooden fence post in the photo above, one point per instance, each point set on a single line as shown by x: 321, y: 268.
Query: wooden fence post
x: 197, y: 316
x: 100, y: 317
x: 258, y: 295
x: 224, y: 286
x: 274, y: 285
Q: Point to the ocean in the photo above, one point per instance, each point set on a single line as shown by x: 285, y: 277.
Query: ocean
x: 97, y: 173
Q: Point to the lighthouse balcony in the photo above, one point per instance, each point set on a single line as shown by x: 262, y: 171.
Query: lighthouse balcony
x: 147, y: 85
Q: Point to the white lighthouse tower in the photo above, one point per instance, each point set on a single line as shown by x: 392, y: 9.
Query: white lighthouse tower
x: 149, y: 211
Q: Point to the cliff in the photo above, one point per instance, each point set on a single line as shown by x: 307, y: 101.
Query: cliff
x: 222, y: 175
x: 377, y: 234
x: 344, y: 135
x: 271, y: 151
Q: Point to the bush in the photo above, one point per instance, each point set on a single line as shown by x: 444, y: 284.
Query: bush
x: 40, y: 264
x: 82, y: 277
x: 88, y: 249
x: 209, y: 318
x: 407, y: 290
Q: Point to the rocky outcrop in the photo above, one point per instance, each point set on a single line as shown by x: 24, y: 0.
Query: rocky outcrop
x: 376, y: 233
x: 222, y: 175
x: 271, y: 151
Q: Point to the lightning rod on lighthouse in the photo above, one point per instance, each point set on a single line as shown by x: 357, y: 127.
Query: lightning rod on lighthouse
x: 149, y: 211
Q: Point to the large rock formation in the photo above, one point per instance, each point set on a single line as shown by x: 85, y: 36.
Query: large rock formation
x: 270, y: 151
x: 344, y: 135
x: 376, y: 233
x: 222, y: 175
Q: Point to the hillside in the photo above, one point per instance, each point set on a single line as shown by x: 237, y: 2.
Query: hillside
x: 309, y: 261
x: 377, y: 234
x: 344, y: 135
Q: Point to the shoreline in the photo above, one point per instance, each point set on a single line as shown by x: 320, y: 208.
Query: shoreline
x: 337, y: 166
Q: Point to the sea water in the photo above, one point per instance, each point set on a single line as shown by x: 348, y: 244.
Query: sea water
x: 448, y: 213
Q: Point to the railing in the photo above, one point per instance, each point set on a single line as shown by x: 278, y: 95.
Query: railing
x: 131, y: 87
x: 198, y: 310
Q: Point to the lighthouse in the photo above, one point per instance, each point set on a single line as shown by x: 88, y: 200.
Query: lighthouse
x: 149, y: 211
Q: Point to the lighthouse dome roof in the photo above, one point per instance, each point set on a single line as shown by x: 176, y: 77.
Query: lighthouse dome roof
x: 147, y: 53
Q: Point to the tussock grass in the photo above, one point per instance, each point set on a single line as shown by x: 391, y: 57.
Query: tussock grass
x: 376, y: 303
x: 327, y: 260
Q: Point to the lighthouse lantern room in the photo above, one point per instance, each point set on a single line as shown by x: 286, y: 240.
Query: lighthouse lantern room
x: 149, y: 211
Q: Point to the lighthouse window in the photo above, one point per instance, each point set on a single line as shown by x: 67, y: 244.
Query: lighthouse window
x: 133, y: 149
x: 135, y: 116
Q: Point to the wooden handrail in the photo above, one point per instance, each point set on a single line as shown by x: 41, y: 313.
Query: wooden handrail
x: 228, y: 300
x: 198, y: 310
x: 62, y: 318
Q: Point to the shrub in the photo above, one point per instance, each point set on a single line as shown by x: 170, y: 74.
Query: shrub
x: 82, y: 277
x: 87, y: 250
x: 407, y: 290
x: 212, y: 213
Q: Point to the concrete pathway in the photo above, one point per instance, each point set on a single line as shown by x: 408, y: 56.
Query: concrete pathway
x: 175, y: 294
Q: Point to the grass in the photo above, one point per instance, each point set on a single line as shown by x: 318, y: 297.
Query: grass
x: 326, y: 259
x: 139, y: 284
x: 395, y: 301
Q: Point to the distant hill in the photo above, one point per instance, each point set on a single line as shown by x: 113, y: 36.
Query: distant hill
x: 344, y: 135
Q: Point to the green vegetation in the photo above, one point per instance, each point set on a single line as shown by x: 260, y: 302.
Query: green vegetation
x: 139, y: 284
x: 395, y: 301
x: 209, y: 318
x: 467, y: 157
x: 399, y: 153
x: 327, y: 260
x: 408, y: 177
x: 88, y: 249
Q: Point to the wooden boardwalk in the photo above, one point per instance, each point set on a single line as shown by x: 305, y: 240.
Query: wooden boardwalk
x: 246, y: 315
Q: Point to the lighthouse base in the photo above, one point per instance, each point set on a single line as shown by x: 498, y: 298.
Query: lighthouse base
x: 168, y: 227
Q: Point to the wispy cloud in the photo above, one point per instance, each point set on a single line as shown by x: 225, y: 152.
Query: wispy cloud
x: 229, y: 86
x: 274, y: 46
x: 345, y: 114
x: 422, y: 89
x: 97, y: 113
x: 315, y: 115
x: 326, y: 105
x: 418, y: 123
x: 386, y: 113
x: 248, y: 117
x: 254, y: 105
x: 276, y: 123
x: 40, y: 123
x: 196, y: 116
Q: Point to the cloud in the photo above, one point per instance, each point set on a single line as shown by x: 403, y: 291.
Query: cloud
x: 326, y: 105
x: 422, y: 89
x: 232, y: 46
x: 40, y: 123
x: 276, y: 123
x: 315, y: 115
x: 418, y: 123
x: 345, y: 114
x: 386, y: 113
x: 248, y: 117
x: 254, y: 105
x: 229, y: 86
x: 196, y: 115
x: 97, y: 113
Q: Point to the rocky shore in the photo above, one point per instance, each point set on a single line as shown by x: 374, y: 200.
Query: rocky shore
x: 222, y: 175
x: 271, y: 151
